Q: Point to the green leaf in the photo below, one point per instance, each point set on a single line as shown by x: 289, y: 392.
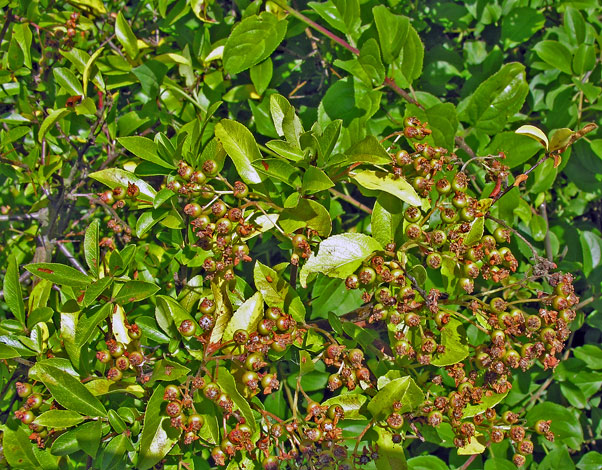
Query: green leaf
x: 574, y: 24
x: 67, y: 79
x: 167, y: 371
x: 126, y: 36
x: 426, y: 462
x: 519, y: 25
x: 384, y: 181
x: 115, y: 453
x: 591, y: 354
x: 560, y: 138
x: 476, y: 231
x: 228, y: 385
x: 158, y: 436
x: 534, y: 133
x: 456, y: 350
x: 22, y: 34
x: 88, y: 69
x: 557, y: 458
x: 59, y: 419
x: 538, y: 227
x: 50, y: 120
x: 17, y: 449
x: 59, y: 274
x: 307, y: 213
x: 391, y: 456
x: 590, y: 461
x: 252, y: 41
x: 339, y: 256
x: 368, y: 150
x: 12, y: 290
x: 277, y: 292
x: 555, y: 54
x: 496, y: 99
x: 241, y: 147
x: 412, y: 56
x: 144, y: 148
x: 7, y: 352
x: 67, y: 390
x: 392, y: 32
x: 499, y: 464
x: 565, y: 422
x: 591, y: 248
x: 517, y: 148
x: 91, y: 249
x: 402, y: 389
x: 135, y: 291
x: 261, y: 75
x: 488, y: 401
x: 115, y: 177
x: 169, y: 311
x: 246, y: 317
x: 368, y: 67
x: 86, y: 325
x: 352, y: 404
x: 315, y: 180
x: 386, y: 217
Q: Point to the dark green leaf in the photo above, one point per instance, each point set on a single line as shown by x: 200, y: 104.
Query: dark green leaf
x: 135, y: 291
x: 590, y: 461
x: 59, y: 274
x: 496, y: 99
x: 456, y: 349
x: 67, y: 79
x: 67, y: 390
x: 158, y: 436
x: 126, y: 36
x: 307, y: 213
x: 59, y: 419
x: 17, y: 449
x: 392, y: 31
x: 555, y: 54
x: 91, y: 249
x: 252, y: 41
x: 520, y: 24
x: 144, y: 148
x: 402, y: 389
x: 277, y: 292
x: 50, y: 120
x: 228, y: 384
x: 167, y: 371
x: 241, y: 147
x: 315, y: 180
x: 368, y: 150
x: 12, y: 290
x: 565, y: 423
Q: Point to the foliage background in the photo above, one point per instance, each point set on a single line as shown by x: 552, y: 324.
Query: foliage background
x: 166, y: 69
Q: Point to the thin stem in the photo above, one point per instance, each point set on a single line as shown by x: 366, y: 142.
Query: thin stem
x: 354, y: 50
x: 547, y: 240
x: 351, y: 200
x: 71, y: 259
x: 526, y: 173
x: 10, y: 217
x: 505, y: 225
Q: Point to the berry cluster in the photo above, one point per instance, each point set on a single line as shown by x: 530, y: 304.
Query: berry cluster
x: 123, y: 358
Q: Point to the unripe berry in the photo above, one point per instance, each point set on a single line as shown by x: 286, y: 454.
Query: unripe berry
x: 187, y: 328
x: 173, y: 409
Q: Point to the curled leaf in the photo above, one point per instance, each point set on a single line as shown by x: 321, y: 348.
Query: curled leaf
x: 535, y: 133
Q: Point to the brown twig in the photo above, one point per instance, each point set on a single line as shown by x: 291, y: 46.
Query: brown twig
x: 350, y: 200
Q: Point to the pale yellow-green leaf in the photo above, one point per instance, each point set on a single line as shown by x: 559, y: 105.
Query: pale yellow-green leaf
x: 534, y: 133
